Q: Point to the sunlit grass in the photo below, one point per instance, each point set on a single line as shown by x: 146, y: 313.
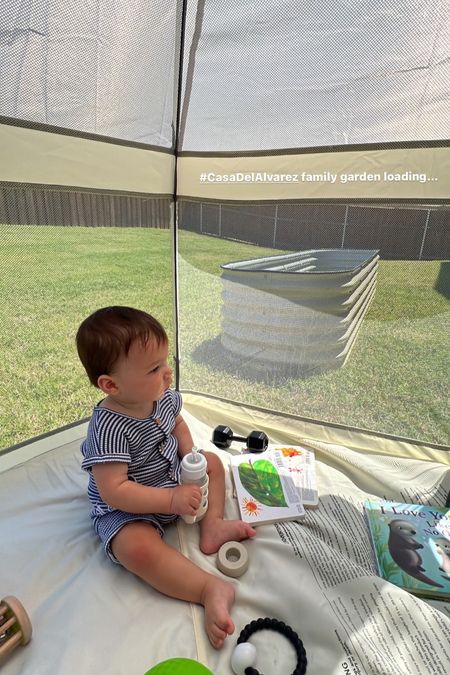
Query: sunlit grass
x: 52, y: 277
x: 395, y: 381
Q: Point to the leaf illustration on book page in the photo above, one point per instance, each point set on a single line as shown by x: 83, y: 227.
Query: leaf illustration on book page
x: 262, y: 481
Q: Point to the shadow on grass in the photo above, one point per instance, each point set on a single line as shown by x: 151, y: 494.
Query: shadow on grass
x: 442, y: 284
x: 212, y: 354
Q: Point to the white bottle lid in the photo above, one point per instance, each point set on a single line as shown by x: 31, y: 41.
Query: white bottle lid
x: 193, y: 467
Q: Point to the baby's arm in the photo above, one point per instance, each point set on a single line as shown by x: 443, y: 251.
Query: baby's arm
x: 121, y: 493
x: 183, y: 436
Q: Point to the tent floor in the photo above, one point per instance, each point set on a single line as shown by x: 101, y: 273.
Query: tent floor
x: 318, y: 576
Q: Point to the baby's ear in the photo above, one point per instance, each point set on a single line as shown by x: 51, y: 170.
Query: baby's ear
x: 107, y: 384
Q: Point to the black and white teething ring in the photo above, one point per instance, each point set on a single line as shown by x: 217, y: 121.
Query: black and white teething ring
x: 244, y: 655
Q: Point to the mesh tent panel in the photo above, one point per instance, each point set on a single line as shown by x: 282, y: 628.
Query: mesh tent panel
x: 88, y: 96
x: 279, y: 75
x: 375, y: 359
x: 257, y: 78
x: 100, y: 67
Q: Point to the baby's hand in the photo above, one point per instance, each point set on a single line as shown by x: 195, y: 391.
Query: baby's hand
x: 186, y: 500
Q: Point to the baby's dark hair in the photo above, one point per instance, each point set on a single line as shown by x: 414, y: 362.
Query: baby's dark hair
x: 108, y: 334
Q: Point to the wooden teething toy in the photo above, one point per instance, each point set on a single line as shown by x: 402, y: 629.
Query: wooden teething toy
x: 15, y: 626
x: 232, y: 559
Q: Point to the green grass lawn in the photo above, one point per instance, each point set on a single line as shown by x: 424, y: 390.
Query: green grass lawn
x: 395, y: 380
x: 51, y: 279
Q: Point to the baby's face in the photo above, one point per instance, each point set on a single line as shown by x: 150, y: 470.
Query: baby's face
x: 144, y: 374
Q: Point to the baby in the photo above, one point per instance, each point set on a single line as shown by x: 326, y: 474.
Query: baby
x: 135, y: 441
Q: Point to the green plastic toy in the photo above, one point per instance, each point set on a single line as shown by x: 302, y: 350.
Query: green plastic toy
x: 179, y: 667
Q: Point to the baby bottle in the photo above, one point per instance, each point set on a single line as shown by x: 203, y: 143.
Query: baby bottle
x: 193, y: 472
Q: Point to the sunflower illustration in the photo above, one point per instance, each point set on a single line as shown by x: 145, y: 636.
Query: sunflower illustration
x: 251, y: 507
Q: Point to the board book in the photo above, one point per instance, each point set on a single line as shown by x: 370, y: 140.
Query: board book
x: 274, y: 485
x: 301, y: 465
x: 411, y: 543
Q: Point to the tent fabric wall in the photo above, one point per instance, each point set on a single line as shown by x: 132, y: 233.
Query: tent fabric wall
x: 272, y: 76
x: 350, y: 90
x: 33, y: 156
x: 397, y: 173
x: 352, y: 74
x: 353, y: 90
x: 283, y: 428
x: 98, y: 67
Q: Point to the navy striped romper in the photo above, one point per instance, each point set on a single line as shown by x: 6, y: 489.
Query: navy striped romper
x: 149, y: 449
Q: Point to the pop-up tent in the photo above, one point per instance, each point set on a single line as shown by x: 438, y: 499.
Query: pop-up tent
x: 271, y: 181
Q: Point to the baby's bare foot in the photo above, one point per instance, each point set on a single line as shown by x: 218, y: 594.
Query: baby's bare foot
x: 215, y: 533
x: 217, y: 599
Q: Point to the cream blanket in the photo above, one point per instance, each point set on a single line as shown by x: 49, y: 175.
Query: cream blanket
x: 90, y: 616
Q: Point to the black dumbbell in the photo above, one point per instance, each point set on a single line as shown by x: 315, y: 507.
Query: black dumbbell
x: 256, y: 441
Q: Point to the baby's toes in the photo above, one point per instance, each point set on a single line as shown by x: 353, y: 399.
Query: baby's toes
x: 216, y: 636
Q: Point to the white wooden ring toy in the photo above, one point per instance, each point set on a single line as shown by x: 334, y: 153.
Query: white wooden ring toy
x: 232, y: 559
x: 15, y: 626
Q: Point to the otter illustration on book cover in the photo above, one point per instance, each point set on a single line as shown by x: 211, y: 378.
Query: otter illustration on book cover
x: 411, y: 543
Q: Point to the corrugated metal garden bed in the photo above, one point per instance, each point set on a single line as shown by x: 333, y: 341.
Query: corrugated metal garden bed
x: 303, y: 308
